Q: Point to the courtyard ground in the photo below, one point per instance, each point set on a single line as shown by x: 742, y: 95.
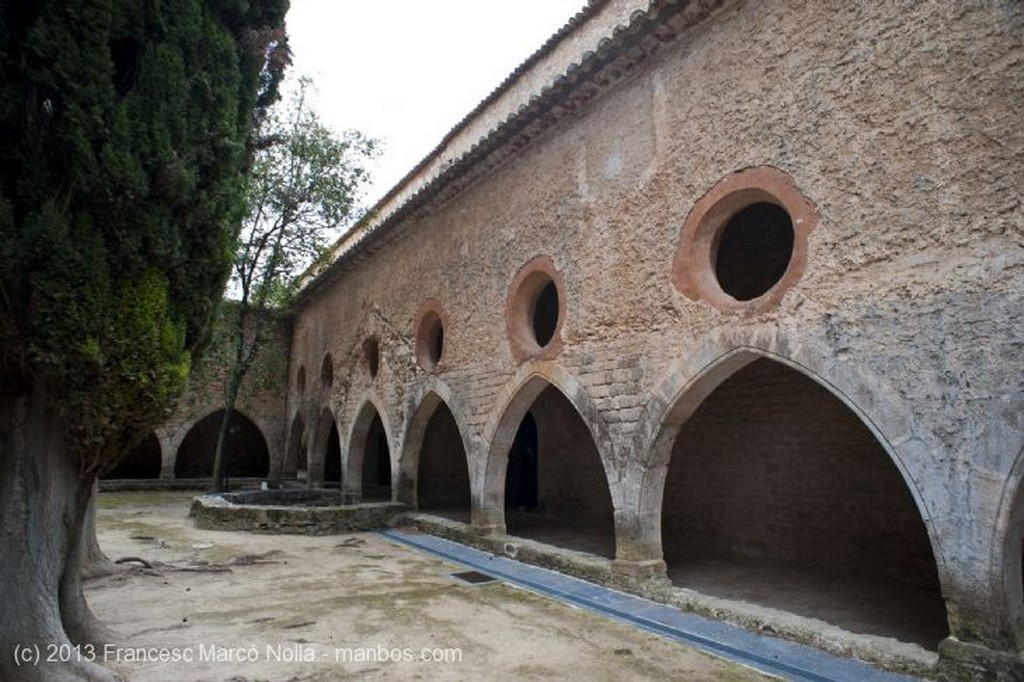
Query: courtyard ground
x: 240, y: 607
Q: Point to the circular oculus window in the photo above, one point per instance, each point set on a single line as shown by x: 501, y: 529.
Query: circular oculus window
x: 535, y: 310
x: 744, y: 243
x: 429, y: 334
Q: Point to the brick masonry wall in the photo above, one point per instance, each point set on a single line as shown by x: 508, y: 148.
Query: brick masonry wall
x: 261, y: 398
x: 773, y: 465
x: 443, y: 472
x: 572, y: 484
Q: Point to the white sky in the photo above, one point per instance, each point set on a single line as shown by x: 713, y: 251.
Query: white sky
x: 406, y: 71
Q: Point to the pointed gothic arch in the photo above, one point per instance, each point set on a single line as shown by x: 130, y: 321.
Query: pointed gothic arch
x: 574, y: 499
x: 296, y: 458
x: 369, y: 466
x: 736, y: 473
x: 325, y: 462
x: 141, y: 462
x: 434, y: 466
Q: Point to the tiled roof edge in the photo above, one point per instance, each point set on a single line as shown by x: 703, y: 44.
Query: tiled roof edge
x: 649, y: 24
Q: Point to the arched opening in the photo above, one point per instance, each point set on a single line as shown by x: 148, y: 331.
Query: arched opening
x: 442, y: 478
x: 332, y: 458
x: 1010, y: 525
x: 296, y: 458
x: 535, y: 310
x: 744, y: 242
x: 142, y: 461
x: 429, y: 335
x: 245, y: 452
x: 327, y: 445
x: 556, y: 490
x: 777, y: 494
x: 376, y: 463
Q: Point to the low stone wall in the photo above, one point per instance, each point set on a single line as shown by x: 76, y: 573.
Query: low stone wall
x: 579, y: 564
x: 306, y: 512
x: 121, y: 484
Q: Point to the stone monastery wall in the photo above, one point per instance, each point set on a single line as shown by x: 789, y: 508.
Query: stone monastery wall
x: 764, y: 194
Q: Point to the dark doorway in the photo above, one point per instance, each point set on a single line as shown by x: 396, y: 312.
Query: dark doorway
x: 778, y: 494
x: 442, y: 479
x: 142, y: 461
x: 556, y: 490
x: 332, y: 459
x: 246, y: 454
x: 521, y: 475
x: 377, y: 463
x: 296, y: 464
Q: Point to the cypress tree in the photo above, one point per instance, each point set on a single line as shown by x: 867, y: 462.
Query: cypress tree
x: 124, y: 134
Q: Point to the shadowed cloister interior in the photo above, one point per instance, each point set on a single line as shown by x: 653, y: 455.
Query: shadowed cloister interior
x: 245, y: 450
x: 556, y: 490
x: 779, y: 495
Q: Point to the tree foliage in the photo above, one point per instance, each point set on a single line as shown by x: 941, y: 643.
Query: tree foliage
x: 125, y: 128
x: 304, y: 183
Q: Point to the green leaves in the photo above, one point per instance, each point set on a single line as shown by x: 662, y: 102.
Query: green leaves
x: 126, y: 129
x: 305, y: 181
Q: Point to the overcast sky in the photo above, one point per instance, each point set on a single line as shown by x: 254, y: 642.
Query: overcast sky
x: 406, y: 71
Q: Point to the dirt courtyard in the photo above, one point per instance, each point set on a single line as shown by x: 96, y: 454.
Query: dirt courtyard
x: 237, y: 607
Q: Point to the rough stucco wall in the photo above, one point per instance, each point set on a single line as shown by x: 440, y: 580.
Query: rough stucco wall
x: 902, y: 125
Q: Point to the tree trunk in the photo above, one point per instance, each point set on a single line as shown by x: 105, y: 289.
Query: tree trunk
x: 218, y: 483
x: 81, y: 626
x: 94, y: 563
x: 43, y: 501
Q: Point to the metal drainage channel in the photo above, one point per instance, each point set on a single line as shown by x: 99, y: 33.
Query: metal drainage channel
x: 787, y: 660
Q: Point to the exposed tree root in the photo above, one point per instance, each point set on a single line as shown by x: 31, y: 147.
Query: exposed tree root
x: 133, y: 559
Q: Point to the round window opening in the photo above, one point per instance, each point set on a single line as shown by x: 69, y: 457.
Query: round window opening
x: 430, y: 340
x: 371, y: 349
x: 744, y: 243
x: 544, y: 314
x: 535, y: 310
x: 327, y: 371
x: 753, y: 251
